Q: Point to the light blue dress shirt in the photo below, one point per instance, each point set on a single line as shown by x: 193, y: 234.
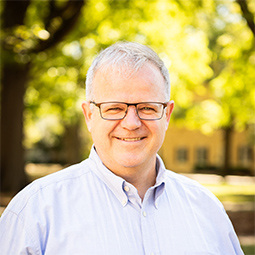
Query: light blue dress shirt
x: 86, y: 209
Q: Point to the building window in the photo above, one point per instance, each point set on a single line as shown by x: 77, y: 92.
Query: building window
x: 202, y: 156
x: 182, y: 155
x: 244, y: 155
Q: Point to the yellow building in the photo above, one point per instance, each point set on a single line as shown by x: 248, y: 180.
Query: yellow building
x: 185, y: 150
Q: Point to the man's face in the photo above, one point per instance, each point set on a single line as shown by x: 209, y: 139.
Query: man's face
x: 130, y: 142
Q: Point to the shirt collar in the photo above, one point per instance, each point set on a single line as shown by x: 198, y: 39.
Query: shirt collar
x: 113, y: 182
x: 116, y: 184
x: 160, y: 180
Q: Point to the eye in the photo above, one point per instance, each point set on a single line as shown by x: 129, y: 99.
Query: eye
x: 113, y: 108
x: 148, y: 109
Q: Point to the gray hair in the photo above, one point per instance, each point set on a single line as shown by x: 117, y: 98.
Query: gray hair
x: 131, y: 54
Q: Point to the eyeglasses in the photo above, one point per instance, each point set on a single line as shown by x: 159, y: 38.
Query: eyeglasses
x: 118, y: 110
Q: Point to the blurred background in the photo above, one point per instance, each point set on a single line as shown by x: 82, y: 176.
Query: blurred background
x: 208, y: 47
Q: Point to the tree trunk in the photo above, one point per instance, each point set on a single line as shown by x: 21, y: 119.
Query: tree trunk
x: 227, y: 132
x: 72, y: 144
x: 14, y: 78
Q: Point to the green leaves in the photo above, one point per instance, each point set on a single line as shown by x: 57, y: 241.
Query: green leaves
x: 207, y: 46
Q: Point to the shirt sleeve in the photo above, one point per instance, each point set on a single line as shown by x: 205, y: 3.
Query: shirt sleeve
x: 14, y: 236
x: 228, y: 242
x: 233, y: 245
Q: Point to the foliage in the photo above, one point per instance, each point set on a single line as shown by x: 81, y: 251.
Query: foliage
x: 57, y: 76
x: 206, y: 44
x: 21, y: 41
x: 226, y: 99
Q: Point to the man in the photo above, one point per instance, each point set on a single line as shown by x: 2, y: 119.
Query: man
x: 121, y: 200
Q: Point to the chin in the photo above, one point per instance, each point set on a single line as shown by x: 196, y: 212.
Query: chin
x: 130, y: 161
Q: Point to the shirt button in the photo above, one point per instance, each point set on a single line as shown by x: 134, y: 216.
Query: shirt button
x: 126, y: 188
x: 124, y: 201
x: 144, y: 214
x: 152, y: 253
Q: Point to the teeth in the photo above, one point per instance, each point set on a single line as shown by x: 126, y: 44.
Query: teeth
x: 130, y: 139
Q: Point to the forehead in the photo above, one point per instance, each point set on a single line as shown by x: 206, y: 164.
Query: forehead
x: 123, y: 82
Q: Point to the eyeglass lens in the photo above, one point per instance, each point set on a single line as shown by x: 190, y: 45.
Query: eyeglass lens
x: 145, y: 111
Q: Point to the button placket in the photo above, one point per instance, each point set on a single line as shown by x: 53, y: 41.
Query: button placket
x: 150, y: 241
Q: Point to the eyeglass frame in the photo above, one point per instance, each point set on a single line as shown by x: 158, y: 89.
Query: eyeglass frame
x: 130, y: 104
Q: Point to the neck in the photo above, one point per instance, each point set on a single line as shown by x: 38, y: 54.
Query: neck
x: 141, y: 177
x: 143, y: 181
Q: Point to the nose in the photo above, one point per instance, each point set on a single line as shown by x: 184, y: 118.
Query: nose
x: 131, y: 120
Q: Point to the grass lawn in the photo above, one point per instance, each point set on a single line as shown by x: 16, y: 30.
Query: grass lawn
x: 233, y: 193
x: 249, y: 249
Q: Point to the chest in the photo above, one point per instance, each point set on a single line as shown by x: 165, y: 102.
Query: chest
x: 107, y: 227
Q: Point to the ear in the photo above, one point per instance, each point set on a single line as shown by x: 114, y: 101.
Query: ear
x: 87, y: 112
x: 169, y: 110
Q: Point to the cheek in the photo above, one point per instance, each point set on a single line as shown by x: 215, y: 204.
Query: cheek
x: 158, y: 127
x: 101, y: 130
x: 164, y: 124
x: 159, y: 131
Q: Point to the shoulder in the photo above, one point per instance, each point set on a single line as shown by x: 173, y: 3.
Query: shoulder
x: 68, y: 174
x: 52, y: 184
x: 191, y: 189
x: 181, y: 180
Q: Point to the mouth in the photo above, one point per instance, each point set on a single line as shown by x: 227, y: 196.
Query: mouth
x: 130, y: 139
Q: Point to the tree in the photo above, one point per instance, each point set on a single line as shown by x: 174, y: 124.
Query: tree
x: 22, y: 40
x: 247, y: 14
x: 232, y: 85
x: 194, y: 38
x: 103, y: 23
x: 226, y: 99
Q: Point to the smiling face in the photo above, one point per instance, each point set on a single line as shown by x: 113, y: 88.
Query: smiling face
x: 131, y: 143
